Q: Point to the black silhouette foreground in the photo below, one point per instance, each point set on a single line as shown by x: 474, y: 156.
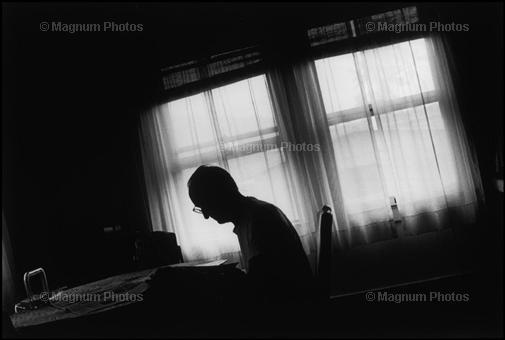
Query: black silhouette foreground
x: 277, y: 267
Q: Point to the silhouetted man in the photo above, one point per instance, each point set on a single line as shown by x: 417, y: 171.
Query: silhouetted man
x: 275, y: 261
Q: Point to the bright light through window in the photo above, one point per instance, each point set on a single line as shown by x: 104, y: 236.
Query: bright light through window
x: 387, y: 129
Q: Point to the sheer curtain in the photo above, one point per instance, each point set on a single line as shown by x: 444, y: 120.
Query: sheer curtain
x: 374, y: 133
x: 299, y: 109
x: 232, y: 126
x: 400, y: 149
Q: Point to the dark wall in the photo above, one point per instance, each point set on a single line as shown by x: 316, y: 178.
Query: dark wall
x: 70, y: 150
x: 478, y: 57
x: 70, y: 153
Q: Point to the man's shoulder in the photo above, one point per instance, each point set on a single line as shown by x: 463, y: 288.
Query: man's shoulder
x: 261, y: 208
x: 265, y: 213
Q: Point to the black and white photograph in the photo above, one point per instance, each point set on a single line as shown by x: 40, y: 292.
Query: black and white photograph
x: 252, y: 170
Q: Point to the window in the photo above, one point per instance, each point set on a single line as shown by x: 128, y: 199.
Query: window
x: 388, y: 135
x: 385, y: 121
x: 231, y: 126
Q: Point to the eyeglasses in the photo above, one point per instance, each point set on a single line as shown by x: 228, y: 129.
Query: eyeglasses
x: 198, y: 210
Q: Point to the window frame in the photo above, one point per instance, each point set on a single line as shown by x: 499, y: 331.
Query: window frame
x: 272, y: 134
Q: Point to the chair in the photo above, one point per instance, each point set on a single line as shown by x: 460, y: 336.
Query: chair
x: 324, y: 256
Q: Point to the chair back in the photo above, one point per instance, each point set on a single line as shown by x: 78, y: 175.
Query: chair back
x: 324, y: 256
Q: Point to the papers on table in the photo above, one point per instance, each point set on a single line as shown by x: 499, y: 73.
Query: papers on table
x: 87, y: 299
x: 198, y: 264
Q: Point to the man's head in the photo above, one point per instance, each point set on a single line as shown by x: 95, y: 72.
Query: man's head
x: 213, y: 190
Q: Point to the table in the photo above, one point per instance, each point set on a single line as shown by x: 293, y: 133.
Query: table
x: 152, y: 294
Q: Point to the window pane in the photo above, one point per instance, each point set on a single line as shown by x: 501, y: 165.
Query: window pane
x: 339, y: 83
x: 359, y: 173
x: 190, y: 122
x: 243, y: 107
x: 420, y: 52
x: 398, y: 70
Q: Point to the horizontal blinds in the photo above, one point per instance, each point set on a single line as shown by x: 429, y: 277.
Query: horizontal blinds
x: 322, y: 35
x: 197, y: 71
x: 178, y: 75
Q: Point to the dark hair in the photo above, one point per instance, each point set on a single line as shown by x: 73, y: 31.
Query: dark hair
x: 211, y: 183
